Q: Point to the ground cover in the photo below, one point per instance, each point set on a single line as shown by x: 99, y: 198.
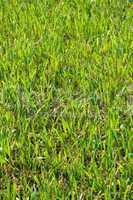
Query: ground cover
x: 66, y: 99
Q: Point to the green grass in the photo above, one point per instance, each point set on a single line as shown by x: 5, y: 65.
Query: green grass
x: 66, y: 100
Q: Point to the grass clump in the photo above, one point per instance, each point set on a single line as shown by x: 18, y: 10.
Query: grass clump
x: 66, y: 99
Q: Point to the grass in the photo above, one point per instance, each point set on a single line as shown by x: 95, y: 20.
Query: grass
x: 66, y: 100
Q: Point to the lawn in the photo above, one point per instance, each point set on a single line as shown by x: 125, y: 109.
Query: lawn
x: 66, y: 100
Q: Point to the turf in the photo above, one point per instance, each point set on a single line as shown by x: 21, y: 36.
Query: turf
x: 66, y: 100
